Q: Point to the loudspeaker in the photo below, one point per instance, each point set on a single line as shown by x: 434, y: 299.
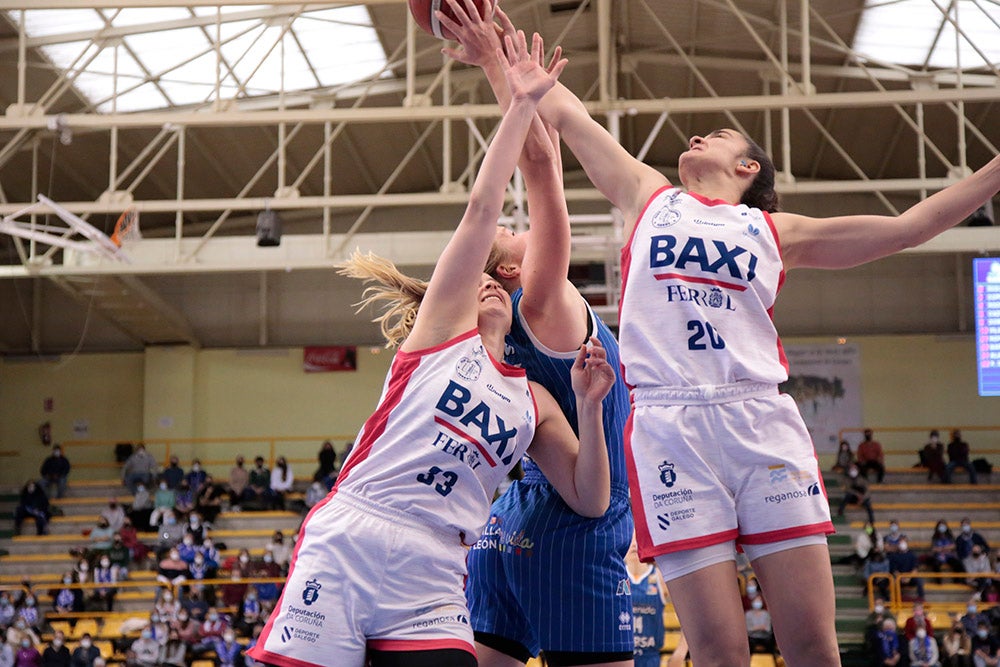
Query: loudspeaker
x: 268, y: 228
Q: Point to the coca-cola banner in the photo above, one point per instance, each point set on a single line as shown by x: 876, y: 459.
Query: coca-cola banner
x: 326, y: 358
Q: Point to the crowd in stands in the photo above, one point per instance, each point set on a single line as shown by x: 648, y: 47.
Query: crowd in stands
x: 940, y: 461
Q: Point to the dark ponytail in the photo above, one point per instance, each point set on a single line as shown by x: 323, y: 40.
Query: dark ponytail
x: 761, y: 192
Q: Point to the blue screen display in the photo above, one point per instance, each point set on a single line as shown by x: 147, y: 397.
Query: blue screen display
x: 986, y: 291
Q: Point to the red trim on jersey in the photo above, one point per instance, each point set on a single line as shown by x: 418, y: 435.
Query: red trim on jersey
x: 642, y: 537
x: 822, y: 528
x: 703, y: 281
x: 260, y: 655
x: 403, y: 367
x: 506, y: 369
x: 782, y: 358
x: 440, y: 346
x: 468, y: 438
x: 711, y: 202
x: 258, y: 652
x: 690, y: 543
x: 420, y: 644
x: 774, y: 231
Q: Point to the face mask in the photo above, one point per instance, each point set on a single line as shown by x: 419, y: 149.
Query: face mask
x: 67, y: 580
x: 85, y: 643
x: 940, y: 529
x: 971, y: 609
x: 168, y: 597
x: 25, y: 643
x: 182, y: 618
x: 879, y: 609
x: 195, y: 522
x: 268, y: 558
x: 84, y: 567
x: 966, y: 528
x: 146, y: 634
x: 154, y: 618
x: 57, y: 642
x: 140, y: 487
x: 869, y: 530
x: 30, y: 602
x: 213, y: 617
x: 893, y: 528
x: 921, y: 633
x: 751, y: 590
x: 188, y: 541
x: 105, y: 563
x: 903, y: 546
x: 21, y: 625
x: 199, y: 561
x: 853, y: 474
x: 757, y: 604
x: 244, y: 559
x: 170, y: 520
x: 163, y: 486
x: 196, y: 467
x: 174, y: 555
x: 251, y: 596
x: 228, y: 638
x: 982, y: 634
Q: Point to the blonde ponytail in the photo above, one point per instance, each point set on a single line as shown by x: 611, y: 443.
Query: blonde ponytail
x: 399, y: 296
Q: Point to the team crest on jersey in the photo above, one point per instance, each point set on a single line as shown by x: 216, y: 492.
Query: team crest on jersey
x: 311, y: 592
x: 469, y: 368
x: 668, y: 215
x: 667, y: 474
x: 624, y: 587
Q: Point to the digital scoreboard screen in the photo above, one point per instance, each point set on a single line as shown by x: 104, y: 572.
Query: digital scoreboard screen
x: 986, y: 286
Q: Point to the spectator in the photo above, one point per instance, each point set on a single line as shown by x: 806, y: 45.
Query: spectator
x: 183, y: 499
x: 170, y: 533
x: 86, y: 654
x: 165, y: 499
x: 115, y: 514
x: 201, y: 568
x: 249, y: 613
x: 35, y: 504
x: 281, y: 481
x: 235, y: 591
x: 172, y: 570
x: 267, y: 592
x: 209, y: 500
x: 985, y: 647
x: 166, y: 606
x: 20, y: 631
x: 130, y: 539
x: 212, y: 628
x: 327, y: 462
x: 315, y: 493
x: 99, y: 540
x: 28, y: 612
x: 856, y: 493
x: 174, y: 651
x: 104, y: 573
x: 186, y: 627
x: 280, y: 550
x: 82, y: 571
x: 228, y: 652
x: 978, y: 562
x: 7, y: 610
x: 27, y: 655
x: 892, y: 539
x: 917, y: 620
x: 956, y: 647
x: 210, y: 553
x: 160, y: 628
x: 66, y: 599
x: 260, y: 482
x: 943, y: 552
x: 887, y: 644
x: 871, y: 457
x: 144, y: 651
x: 759, y: 631
x: 138, y: 468
x: 752, y: 592
x: 923, y: 650
x: 971, y: 619
x: 196, y: 529
x: 845, y: 457
x: 120, y: 556
x: 196, y: 476
x: 54, y: 472
x: 7, y: 655
x: 968, y: 538
x: 173, y: 473
x: 239, y: 479
x: 904, y: 562
x: 194, y: 603
x: 932, y: 457
x: 56, y: 654
x: 187, y: 548
x: 141, y: 507
x: 866, y: 541
x: 959, y: 457
x: 877, y: 563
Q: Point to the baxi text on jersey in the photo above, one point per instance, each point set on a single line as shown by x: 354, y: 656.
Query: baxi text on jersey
x: 713, y: 258
x: 457, y: 402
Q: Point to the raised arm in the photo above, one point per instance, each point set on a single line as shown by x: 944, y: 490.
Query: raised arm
x: 553, y: 308
x: 850, y: 240
x: 580, y: 473
x: 450, y: 306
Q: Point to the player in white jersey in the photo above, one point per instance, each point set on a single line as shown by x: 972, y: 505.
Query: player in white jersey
x: 377, y: 574
x: 709, y: 432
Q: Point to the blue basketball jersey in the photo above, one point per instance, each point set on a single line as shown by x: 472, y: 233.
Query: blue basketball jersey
x: 647, y: 617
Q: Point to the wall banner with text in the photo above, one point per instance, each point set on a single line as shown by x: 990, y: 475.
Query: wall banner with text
x: 825, y: 381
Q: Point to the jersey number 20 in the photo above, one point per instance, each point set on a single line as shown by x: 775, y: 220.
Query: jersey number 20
x: 702, y: 330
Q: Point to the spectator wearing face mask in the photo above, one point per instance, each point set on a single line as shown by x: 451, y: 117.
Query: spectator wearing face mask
x: 877, y: 563
x: 173, y: 473
x: 943, y: 551
x: 104, y: 573
x: 99, y: 539
x: 29, y: 613
x: 985, y: 647
x: 174, y: 651
x: 228, y: 651
x: 871, y: 457
x: 172, y: 570
x: 239, y: 480
x: 144, y: 651
x: 917, y: 620
x: 164, y: 501
x: 170, y: 533
x: 212, y: 628
x: 978, y: 562
x: 115, y: 514
x: 55, y: 471
x: 887, y: 645
x: 33, y: 504
x: 209, y: 500
x: 959, y: 457
x: 185, y: 626
x: 27, y: 655
x: 249, y: 613
x: 856, y: 492
x: 196, y: 476
x: 56, y: 654
x: 752, y: 592
x: 891, y: 539
x: 282, y: 480
x: 968, y: 538
x: 873, y: 625
x: 85, y: 654
x: 138, y: 468
x: 932, y: 457
x: 196, y: 528
x: 280, y: 550
x: 904, y: 562
x: 259, y: 488
x: 167, y: 606
x: 759, y: 632
x: 923, y: 650
x: 65, y: 599
x: 184, y: 498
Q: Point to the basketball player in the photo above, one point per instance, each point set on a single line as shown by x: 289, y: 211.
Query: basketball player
x: 649, y: 600
x: 716, y: 456
x: 574, y: 564
x: 379, y: 566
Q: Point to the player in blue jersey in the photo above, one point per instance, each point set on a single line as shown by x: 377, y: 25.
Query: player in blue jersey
x: 717, y: 457
x: 649, y: 600
x: 543, y: 577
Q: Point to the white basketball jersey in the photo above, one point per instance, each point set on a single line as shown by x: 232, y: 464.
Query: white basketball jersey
x: 699, y: 280
x: 450, y: 424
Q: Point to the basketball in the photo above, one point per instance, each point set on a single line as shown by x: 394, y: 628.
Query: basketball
x: 423, y: 12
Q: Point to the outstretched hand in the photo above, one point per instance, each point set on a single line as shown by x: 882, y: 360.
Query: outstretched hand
x: 476, y: 32
x: 526, y: 74
x: 592, y: 375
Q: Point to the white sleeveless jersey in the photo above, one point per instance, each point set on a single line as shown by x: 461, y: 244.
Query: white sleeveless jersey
x: 450, y: 424
x: 699, y: 280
